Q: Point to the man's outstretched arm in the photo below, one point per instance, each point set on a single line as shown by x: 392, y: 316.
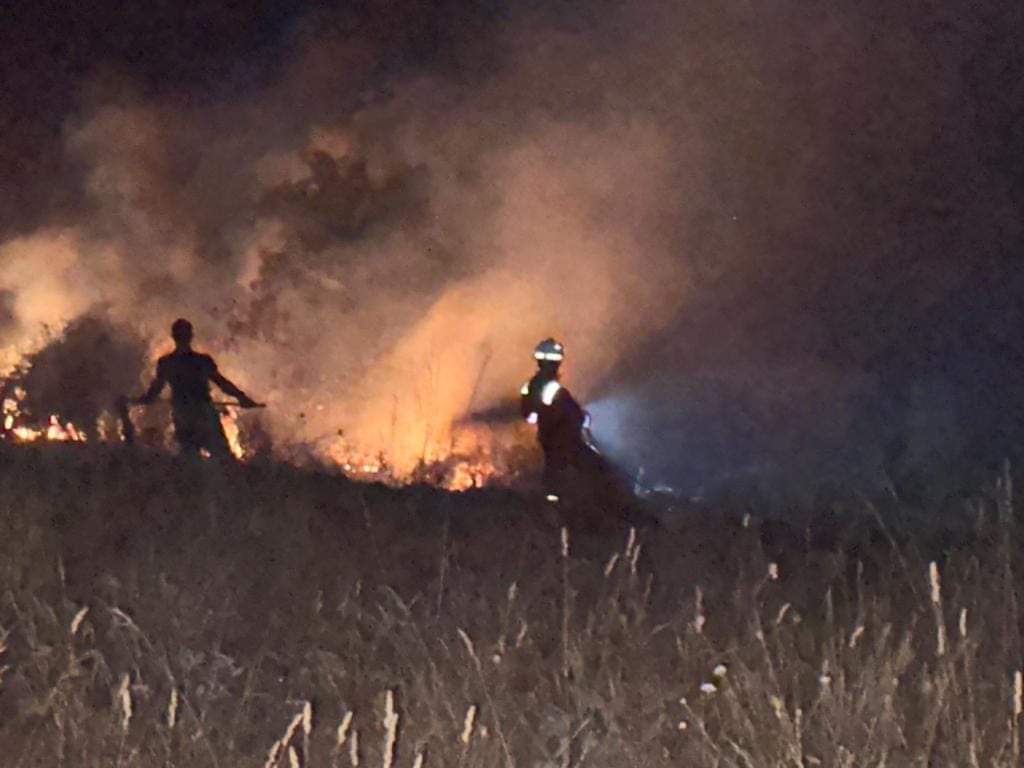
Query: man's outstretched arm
x: 151, y: 394
x: 230, y: 388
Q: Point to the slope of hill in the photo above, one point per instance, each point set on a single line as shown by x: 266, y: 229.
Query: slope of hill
x: 154, y: 613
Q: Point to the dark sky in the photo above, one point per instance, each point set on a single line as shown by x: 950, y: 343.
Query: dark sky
x: 50, y: 52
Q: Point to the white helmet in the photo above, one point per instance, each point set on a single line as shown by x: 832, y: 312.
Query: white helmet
x: 549, y: 350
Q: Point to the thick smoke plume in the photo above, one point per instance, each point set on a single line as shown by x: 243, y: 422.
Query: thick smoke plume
x: 708, y: 202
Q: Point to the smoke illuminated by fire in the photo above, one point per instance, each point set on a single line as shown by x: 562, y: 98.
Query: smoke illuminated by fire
x: 375, y: 273
x: 373, y: 249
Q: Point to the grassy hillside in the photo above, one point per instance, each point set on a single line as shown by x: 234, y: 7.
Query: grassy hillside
x: 154, y: 613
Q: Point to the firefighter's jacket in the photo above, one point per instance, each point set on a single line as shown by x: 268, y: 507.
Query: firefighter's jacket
x: 559, y: 418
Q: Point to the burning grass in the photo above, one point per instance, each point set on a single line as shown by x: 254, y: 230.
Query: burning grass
x: 67, y: 386
x: 471, y: 459
x: 159, y: 613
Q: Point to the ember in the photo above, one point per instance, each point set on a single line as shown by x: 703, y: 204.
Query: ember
x: 16, y: 425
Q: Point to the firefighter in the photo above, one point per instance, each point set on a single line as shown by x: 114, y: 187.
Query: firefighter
x: 560, y: 420
x: 196, y: 420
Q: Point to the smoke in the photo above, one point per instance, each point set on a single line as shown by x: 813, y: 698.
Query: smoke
x: 689, y: 195
x: 375, y: 268
x: 704, y: 430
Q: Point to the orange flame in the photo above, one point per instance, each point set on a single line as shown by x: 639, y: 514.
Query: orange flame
x: 233, y: 434
x: 465, y: 461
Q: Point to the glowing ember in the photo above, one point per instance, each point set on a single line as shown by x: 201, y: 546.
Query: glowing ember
x: 466, y: 475
x: 467, y: 464
x: 11, y: 412
x: 53, y: 432
x: 354, y: 463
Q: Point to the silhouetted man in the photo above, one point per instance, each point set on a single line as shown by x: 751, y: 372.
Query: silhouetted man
x: 196, y: 421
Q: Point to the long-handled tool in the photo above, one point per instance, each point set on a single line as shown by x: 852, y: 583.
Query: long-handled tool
x: 124, y: 404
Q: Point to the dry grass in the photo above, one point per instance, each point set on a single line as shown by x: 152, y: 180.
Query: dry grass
x: 157, y: 614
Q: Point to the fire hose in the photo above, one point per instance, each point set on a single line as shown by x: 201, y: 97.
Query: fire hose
x: 508, y: 413
x: 638, y: 485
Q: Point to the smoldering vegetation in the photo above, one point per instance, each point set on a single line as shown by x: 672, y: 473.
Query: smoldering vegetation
x: 163, y: 613
x: 78, y: 375
x: 803, y: 220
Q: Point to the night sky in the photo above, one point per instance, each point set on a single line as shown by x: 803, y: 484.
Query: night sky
x: 52, y: 53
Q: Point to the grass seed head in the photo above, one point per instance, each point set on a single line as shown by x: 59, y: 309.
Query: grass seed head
x: 273, y: 754
x: 353, y: 750
x: 699, y: 619
x: 467, y: 641
x: 390, y: 728
x: 79, y: 618
x: 936, y: 583
x: 343, y: 729
x: 172, y: 709
x: 307, y: 718
x: 467, y: 726
x: 610, y: 565
x: 857, y: 632
x: 124, y: 695
x: 285, y: 741
x: 1018, y: 693
x: 293, y: 726
x: 521, y: 634
x: 634, y: 558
